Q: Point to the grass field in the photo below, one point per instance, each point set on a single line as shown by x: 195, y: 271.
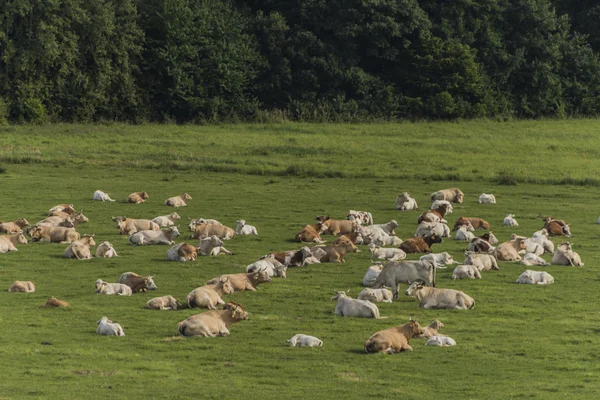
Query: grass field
x: 519, y: 341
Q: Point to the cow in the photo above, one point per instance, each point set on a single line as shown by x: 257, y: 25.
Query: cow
x: 212, y: 246
x: 556, y: 227
x: 509, y: 251
x: 163, y: 303
x: 430, y: 228
x: 434, y: 215
x: 178, y: 201
x: 112, y: 288
x: 463, y: 234
x: 431, y: 330
x: 292, y: 258
x: 310, y: 233
x: 480, y: 245
x: 55, y: 220
x: 430, y: 297
x: 395, y: 273
x: 477, y: 223
x: 404, y: 202
x: 99, y: 195
x: 349, y: 307
x: 22, y: 286
x: 312, y: 256
x: 54, y: 302
x: 270, y: 265
x: 129, y: 226
x: 420, y: 244
x: 300, y: 340
x: 166, y: 220
x: 386, y: 253
x: 336, y: 253
x: 453, y: 195
x: 530, y: 259
x: 14, y: 227
x: 209, y: 296
x: 383, y: 239
x: 393, y: 340
x: 541, y: 238
x: 485, y: 198
x: 564, y: 255
x: 80, y: 248
x: 204, y: 230
x: 53, y: 234
x: 441, y: 341
x: 337, y: 227
x: 535, y: 278
x: 372, y: 273
x: 361, y: 217
x: 354, y: 237
x: 213, y: 323
x: 440, y: 259
x: 137, y: 283
x: 489, y: 237
x: 242, y: 282
x: 165, y: 236
x: 382, y: 295
x: 106, y: 250
x: 388, y: 227
x: 510, y: 220
x: 9, y: 242
x: 243, y: 229
x: 466, y: 271
x: 182, y: 252
x: 483, y: 262
x: 193, y: 222
x: 137, y: 197
x: 438, y: 203
x: 66, y: 208
x: 531, y: 246
x: 108, y: 328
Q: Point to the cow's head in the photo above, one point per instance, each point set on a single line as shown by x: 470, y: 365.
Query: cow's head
x: 281, y: 270
x: 89, y: 239
x: 215, y: 241
x: 173, y: 232
x: 80, y: 218
x: 35, y: 232
x: 261, y: 276
x: 22, y: 222
x: 339, y: 295
x: 414, y: 288
x: 144, y: 195
x: 21, y: 239
x: 149, y: 283
x: 103, y: 320
x: 186, y: 196
x: 99, y: 284
x: 241, y: 222
x: 226, y: 285
x: 412, y: 329
x: 459, y: 196
x: 322, y: 218
x: 237, y: 310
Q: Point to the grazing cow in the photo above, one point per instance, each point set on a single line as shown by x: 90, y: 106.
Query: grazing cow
x: 22, y: 286
x: 430, y: 228
x: 393, y: 340
x: 137, y: 283
x: 463, y: 234
x: 129, y: 226
x: 99, y: 195
x: 485, y: 198
x: 213, y: 323
x: 372, y: 273
x: 243, y: 229
x: 434, y: 215
x: 112, y: 288
x: 163, y: 303
x: 530, y: 259
x: 337, y: 226
x: 454, y: 195
x: 106, y: 250
x: 477, y: 223
x: 395, y: 273
x: 386, y: 254
x: 165, y: 236
x: 420, y: 244
x: 137, y: 197
x: 431, y: 330
x: 349, y: 307
x: 361, y: 217
x: 178, y: 201
x: 212, y: 246
x: 108, y: 328
x: 182, y: 252
x: 466, y: 271
x: 242, y: 282
x: 441, y: 341
x: 430, y: 297
x: 204, y: 230
x: 9, y: 242
x: 564, y: 255
x: 376, y: 295
x: 509, y: 251
x: 66, y: 208
x: 300, y: 340
x: 483, y: 262
x: 80, y: 249
x: 535, y: 278
x: 14, y: 227
x: 270, y: 265
x: 335, y: 253
x: 439, y: 259
x: 404, y: 202
x: 209, y: 296
x: 54, y: 302
x: 166, y: 220
x: 556, y: 227
x: 310, y: 233
x: 53, y: 234
x: 438, y: 203
x: 510, y: 220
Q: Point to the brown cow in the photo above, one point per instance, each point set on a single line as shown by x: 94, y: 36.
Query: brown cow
x: 137, y: 197
x: 393, y: 340
x: 434, y: 215
x: 178, y: 201
x: 354, y: 237
x: 54, y: 302
x: 14, y: 227
x: 213, y: 323
x: 420, y: 244
x: 53, y: 234
x: 509, y: 251
x: 556, y: 227
x: 338, y: 226
x: 66, y: 208
x: 137, y: 283
x: 336, y: 253
x: 242, y: 281
x: 477, y: 223
x: 310, y: 233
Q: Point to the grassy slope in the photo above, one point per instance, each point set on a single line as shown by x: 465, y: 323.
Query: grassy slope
x: 519, y: 341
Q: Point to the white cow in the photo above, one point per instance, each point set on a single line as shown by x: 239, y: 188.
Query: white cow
x: 243, y: 229
x: 348, y: 307
x: 99, y: 195
x: 485, y: 198
x: 382, y: 295
x: 541, y: 238
x: 386, y: 253
x: 112, y: 288
x: 442, y: 341
x: 426, y: 228
x: 270, y: 265
x: 106, y: 250
x: 166, y: 220
x: 466, y: 271
x: 535, y: 278
x: 462, y: 233
x: 300, y: 340
x: 108, y: 328
x: 362, y: 217
x: 439, y: 259
x: 165, y: 236
x: 533, y: 259
x: 372, y: 272
x: 510, y: 220
x: 483, y: 262
x: 404, y: 202
x: 212, y: 246
x: 564, y: 255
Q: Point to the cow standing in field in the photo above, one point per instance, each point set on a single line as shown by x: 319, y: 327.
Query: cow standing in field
x: 395, y: 273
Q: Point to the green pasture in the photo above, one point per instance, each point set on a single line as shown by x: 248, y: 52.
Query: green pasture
x: 520, y: 341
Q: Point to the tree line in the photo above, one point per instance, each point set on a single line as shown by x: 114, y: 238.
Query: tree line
x: 312, y: 60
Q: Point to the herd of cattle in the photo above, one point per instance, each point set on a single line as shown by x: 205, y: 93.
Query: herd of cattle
x: 482, y: 254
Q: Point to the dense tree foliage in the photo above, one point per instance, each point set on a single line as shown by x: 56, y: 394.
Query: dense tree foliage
x: 332, y: 60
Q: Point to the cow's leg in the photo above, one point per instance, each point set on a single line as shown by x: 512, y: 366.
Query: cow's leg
x: 407, y: 347
x: 224, y: 331
x: 224, y: 250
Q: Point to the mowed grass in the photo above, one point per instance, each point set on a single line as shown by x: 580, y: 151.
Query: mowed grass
x: 518, y: 341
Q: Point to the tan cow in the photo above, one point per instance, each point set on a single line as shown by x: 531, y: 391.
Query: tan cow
x: 204, y: 230
x: 338, y: 226
x: 431, y: 330
x: 182, y: 252
x: 454, y: 195
x: 14, y: 227
x: 9, y: 242
x: 129, y: 226
x: 166, y: 220
x: 509, y: 251
x: 53, y: 234
x: 178, y: 201
x: 22, y: 286
x: 137, y: 283
x: 209, y: 296
x: 477, y: 223
x: 80, y: 249
x: 241, y: 282
x: 106, y: 250
x: 431, y: 297
x: 163, y: 303
x: 336, y: 253
x: 393, y: 340
x: 54, y: 302
x: 137, y: 197
x: 310, y: 233
x: 213, y: 323
x: 66, y: 208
